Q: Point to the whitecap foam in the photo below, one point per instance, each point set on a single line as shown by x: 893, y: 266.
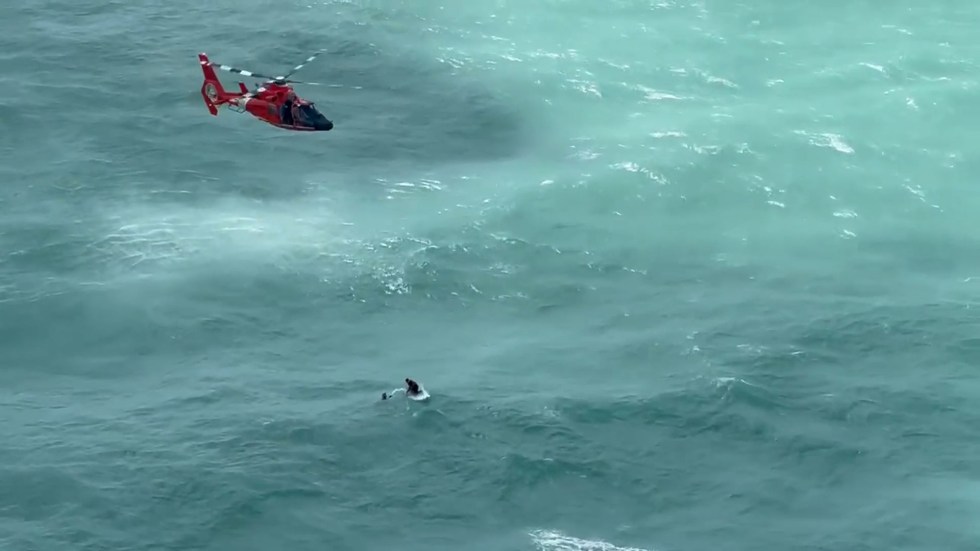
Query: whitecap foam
x: 827, y: 139
x: 551, y: 540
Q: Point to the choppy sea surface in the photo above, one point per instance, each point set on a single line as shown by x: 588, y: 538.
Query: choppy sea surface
x: 678, y: 275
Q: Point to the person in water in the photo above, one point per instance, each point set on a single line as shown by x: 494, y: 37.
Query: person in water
x: 412, y: 389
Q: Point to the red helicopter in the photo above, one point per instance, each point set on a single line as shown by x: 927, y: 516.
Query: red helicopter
x: 274, y: 101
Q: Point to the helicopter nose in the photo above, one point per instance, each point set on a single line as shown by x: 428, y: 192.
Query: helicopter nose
x: 324, y: 125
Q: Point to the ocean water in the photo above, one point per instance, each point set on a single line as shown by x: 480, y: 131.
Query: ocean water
x: 678, y: 275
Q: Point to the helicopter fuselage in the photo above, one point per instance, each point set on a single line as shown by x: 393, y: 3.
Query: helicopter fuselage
x: 272, y: 102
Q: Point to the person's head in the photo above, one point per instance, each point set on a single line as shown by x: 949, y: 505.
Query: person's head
x: 408, y: 381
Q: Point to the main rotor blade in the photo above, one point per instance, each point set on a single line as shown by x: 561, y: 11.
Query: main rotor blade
x: 243, y: 72
x: 283, y: 79
x: 301, y: 65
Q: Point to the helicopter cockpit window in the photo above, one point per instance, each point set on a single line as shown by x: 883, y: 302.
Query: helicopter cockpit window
x: 306, y: 114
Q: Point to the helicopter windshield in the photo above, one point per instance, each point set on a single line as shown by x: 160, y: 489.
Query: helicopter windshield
x: 307, y: 115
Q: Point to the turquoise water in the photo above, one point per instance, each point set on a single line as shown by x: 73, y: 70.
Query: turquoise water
x: 677, y: 275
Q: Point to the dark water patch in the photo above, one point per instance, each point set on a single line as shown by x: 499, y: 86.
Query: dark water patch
x: 389, y: 104
x: 631, y: 460
x: 142, y: 323
x: 38, y: 492
x: 888, y: 332
x: 40, y: 247
x: 941, y: 253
